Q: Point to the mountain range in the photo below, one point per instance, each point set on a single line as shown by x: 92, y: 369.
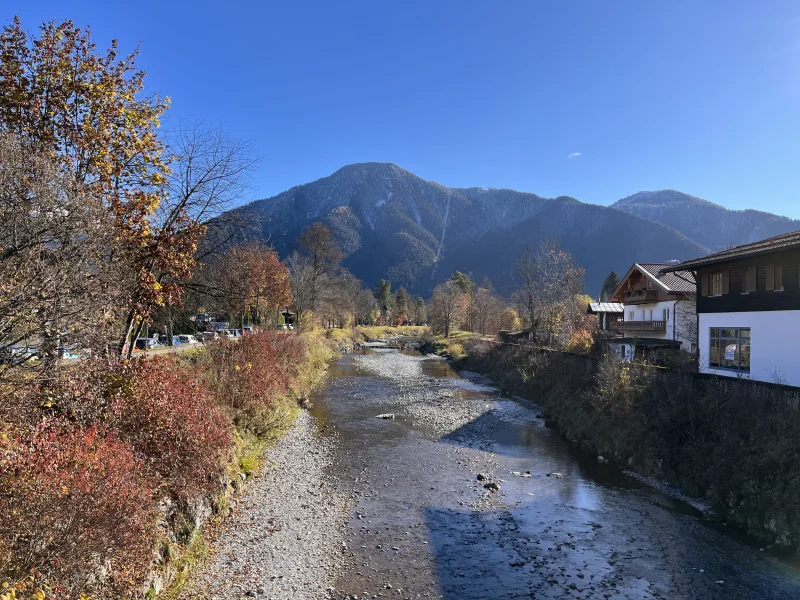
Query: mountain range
x: 393, y: 224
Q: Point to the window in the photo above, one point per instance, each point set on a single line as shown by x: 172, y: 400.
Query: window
x: 719, y: 283
x: 630, y: 315
x: 778, y: 278
x: 665, y: 314
x: 716, y: 284
x: 730, y: 349
x: 750, y: 280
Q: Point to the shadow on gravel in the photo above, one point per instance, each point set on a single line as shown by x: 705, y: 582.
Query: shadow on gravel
x: 479, y: 555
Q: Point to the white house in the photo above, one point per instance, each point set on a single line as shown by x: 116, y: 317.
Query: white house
x: 659, y: 311
x: 749, y: 309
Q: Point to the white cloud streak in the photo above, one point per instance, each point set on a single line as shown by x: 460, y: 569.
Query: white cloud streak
x: 573, y: 155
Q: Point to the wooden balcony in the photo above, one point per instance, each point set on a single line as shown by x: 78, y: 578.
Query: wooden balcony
x: 633, y: 327
x: 640, y: 296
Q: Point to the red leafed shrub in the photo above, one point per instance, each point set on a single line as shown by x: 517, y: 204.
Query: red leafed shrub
x: 168, y: 414
x: 165, y: 411
x: 255, y: 371
x: 74, y: 499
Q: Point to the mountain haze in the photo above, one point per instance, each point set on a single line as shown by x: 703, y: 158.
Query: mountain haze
x: 707, y: 223
x: 396, y: 225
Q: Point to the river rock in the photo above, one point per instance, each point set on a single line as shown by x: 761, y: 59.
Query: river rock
x: 482, y: 477
x: 492, y: 486
x: 385, y: 416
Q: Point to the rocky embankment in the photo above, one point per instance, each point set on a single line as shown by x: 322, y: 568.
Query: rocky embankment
x: 286, y: 532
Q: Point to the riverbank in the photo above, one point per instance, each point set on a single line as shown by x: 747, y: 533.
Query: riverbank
x: 113, y: 472
x: 283, y: 538
x: 733, y: 444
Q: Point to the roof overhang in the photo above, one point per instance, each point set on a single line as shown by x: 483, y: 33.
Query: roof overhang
x: 693, y: 265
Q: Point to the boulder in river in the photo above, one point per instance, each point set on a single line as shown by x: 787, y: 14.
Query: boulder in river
x: 482, y: 477
x: 492, y: 486
x: 385, y: 416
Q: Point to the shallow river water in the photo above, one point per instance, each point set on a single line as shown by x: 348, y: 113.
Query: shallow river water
x: 423, y: 526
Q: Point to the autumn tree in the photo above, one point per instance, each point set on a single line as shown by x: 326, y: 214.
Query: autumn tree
x: 88, y: 112
x: 85, y: 109
x: 465, y: 312
x: 509, y: 320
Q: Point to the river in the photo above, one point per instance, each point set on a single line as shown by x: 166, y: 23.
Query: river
x: 561, y: 525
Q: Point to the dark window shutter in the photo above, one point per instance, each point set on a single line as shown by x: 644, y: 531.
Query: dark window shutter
x: 750, y: 284
x: 705, y: 285
x: 726, y: 282
x: 770, y: 277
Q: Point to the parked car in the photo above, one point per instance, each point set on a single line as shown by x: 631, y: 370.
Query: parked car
x: 290, y: 326
x: 282, y: 328
x: 68, y: 353
x: 219, y: 326
x: 18, y: 354
x: 247, y: 330
x: 209, y: 336
x: 146, y: 344
x: 176, y: 341
x: 186, y: 339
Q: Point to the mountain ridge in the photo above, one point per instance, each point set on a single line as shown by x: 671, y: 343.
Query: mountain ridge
x: 718, y: 227
x: 394, y: 224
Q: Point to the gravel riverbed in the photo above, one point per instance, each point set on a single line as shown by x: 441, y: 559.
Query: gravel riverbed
x: 286, y: 533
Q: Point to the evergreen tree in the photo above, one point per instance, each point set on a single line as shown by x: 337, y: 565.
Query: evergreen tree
x: 383, y: 294
x: 610, y: 283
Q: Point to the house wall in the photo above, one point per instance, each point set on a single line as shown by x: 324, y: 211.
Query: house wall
x: 685, y: 324
x: 773, y: 350
x: 761, y: 299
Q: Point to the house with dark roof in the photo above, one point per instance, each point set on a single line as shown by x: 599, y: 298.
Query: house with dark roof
x: 748, y: 308
x: 659, y: 311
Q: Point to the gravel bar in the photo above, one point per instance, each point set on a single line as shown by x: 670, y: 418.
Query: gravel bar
x: 284, y: 539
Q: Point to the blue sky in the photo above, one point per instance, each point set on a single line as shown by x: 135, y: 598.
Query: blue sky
x: 595, y: 100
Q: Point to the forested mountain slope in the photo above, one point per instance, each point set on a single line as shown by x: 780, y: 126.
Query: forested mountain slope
x: 708, y: 224
x: 396, y: 225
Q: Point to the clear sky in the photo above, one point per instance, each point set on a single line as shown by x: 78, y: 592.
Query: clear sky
x: 591, y: 99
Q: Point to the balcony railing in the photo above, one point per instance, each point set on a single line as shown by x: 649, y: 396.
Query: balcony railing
x: 634, y: 296
x: 640, y: 326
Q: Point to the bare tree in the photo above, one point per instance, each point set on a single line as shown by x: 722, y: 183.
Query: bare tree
x: 547, y: 280
x: 301, y: 280
x: 209, y: 174
x: 59, y: 282
x: 486, y: 308
x: 444, y: 307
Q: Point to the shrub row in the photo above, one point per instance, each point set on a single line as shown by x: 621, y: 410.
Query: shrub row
x: 88, y: 457
x: 733, y: 442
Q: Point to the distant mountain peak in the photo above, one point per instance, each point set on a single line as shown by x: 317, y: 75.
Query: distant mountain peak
x: 714, y: 225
